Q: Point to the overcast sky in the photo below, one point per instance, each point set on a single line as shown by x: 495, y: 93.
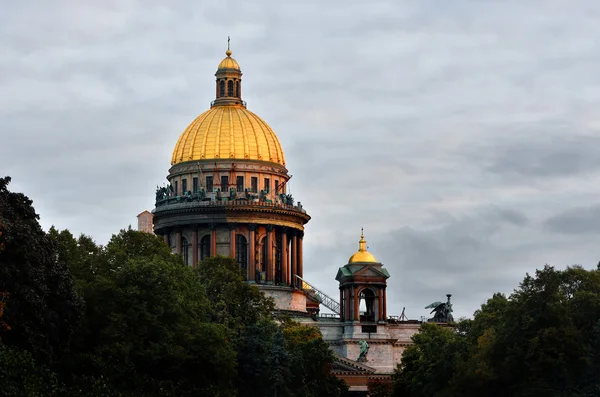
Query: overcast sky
x: 464, y: 136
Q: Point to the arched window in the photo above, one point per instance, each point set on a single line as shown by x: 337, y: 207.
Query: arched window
x: 185, y: 250
x: 367, y: 305
x: 230, y: 88
x: 241, y: 251
x: 221, y: 88
x: 205, y: 247
x: 237, y: 89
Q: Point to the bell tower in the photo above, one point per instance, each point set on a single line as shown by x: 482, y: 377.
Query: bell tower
x: 363, y: 282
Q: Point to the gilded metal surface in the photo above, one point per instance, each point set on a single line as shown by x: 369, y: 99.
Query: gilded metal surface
x: 228, y: 131
x: 362, y: 255
x: 229, y: 63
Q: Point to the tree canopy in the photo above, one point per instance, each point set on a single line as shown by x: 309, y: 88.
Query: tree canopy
x: 131, y: 319
x: 544, y: 339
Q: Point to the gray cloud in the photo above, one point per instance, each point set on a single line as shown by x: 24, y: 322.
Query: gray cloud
x: 580, y: 220
x: 462, y: 135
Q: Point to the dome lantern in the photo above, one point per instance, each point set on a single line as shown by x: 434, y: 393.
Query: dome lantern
x: 229, y: 81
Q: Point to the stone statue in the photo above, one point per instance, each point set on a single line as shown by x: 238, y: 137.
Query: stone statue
x: 201, y: 195
x: 364, y: 350
x: 442, y: 311
x: 286, y: 199
x: 162, y: 193
x: 232, y: 193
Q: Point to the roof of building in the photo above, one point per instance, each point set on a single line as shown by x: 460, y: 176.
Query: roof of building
x: 228, y: 130
x: 362, y: 255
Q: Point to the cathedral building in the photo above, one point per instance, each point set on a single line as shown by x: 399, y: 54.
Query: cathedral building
x: 227, y: 195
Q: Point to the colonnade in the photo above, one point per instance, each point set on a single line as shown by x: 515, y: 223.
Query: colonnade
x: 277, y: 263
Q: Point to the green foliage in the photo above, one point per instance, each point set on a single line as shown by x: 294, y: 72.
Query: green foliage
x: 130, y: 319
x: 542, y: 340
x: 21, y: 376
x: 380, y: 389
x: 311, y: 361
x: 233, y: 302
x: 42, y: 309
x: 147, y: 328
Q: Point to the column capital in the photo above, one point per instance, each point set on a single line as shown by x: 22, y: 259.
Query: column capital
x: 252, y: 226
x: 213, y: 226
x: 232, y: 226
x: 269, y: 228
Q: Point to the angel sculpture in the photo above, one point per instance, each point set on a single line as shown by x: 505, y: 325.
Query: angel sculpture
x: 442, y: 311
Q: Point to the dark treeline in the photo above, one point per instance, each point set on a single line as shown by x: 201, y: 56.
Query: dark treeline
x: 543, y: 340
x: 130, y: 319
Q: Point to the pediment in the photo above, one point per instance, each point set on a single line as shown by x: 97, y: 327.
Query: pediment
x: 371, y: 271
x: 347, y: 365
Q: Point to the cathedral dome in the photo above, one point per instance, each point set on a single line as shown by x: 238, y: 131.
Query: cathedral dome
x: 362, y: 255
x: 228, y: 130
x: 229, y: 62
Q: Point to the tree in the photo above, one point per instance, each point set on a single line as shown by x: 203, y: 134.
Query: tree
x: 147, y: 329
x: 429, y: 364
x: 311, y: 360
x: 22, y: 376
x: 233, y: 302
x: 380, y: 389
x: 542, y: 340
x: 42, y: 309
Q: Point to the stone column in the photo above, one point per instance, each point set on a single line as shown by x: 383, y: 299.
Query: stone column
x: 195, y: 247
x: 300, y: 254
x: 166, y: 238
x: 384, y: 305
x: 348, y: 308
x: 294, y: 258
x: 380, y: 301
x: 342, y: 305
x: 178, y: 242
x: 356, y: 303
x: 213, y: 240
x: 284, y: 256
x: 232, y: 229
x: 270, y: 264
x: 252, y: 256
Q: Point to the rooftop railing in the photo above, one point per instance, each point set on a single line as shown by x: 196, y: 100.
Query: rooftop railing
x: 193, y: 201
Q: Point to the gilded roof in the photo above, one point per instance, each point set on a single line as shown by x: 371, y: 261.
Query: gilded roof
x: 362, y: 255
x: 228, y: 132
x: 229, y: 63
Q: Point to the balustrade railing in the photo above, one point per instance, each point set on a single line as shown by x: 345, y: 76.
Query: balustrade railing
x: 190, y: 201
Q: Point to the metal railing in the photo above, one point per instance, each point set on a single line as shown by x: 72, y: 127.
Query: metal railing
x: 323, y: 298
x: 183, y: 202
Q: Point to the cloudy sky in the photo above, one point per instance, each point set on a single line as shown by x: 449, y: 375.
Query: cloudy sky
x: 463, y: 135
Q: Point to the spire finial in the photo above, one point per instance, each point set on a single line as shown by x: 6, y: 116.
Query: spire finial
x: 362, y: 244
x: 228, y: 52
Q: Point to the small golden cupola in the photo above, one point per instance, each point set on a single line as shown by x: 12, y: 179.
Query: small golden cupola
x: 229, y: 81
x: 362, y: 255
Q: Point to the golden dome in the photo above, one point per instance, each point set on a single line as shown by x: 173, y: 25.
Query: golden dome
x: 362, y: 255
x: 228, y: 132
x: 229, y: 63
